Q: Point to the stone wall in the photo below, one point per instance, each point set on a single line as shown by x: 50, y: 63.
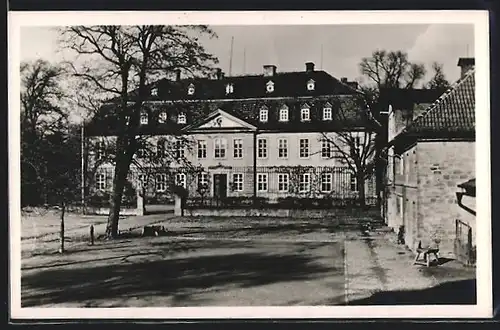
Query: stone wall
x: 339, y: 216
x: 442, y: 166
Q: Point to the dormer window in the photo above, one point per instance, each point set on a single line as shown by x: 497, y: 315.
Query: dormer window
x: 229, y: 89
x: 263, y: 115
x: 144, y: 118
x: 310, y: 85
x: 154, y: 92
x: 181, y: 119
x: 163, y: 117
x: 284, y: 113
x: 327, y: 112
x: 270, y: 87
x: 190, y: 90
x: 305, y: 114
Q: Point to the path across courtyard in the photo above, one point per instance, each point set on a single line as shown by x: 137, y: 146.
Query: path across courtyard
x: 236, y: 262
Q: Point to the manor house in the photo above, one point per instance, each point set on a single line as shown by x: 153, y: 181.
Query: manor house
x: 266, y: 135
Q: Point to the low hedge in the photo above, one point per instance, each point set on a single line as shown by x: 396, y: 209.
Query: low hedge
x: 281, y: 203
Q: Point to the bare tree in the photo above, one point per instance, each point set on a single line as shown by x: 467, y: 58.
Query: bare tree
x: 438, y: 80
x: 354, y: 144
x: 64, y: 149
x: 49, y: 144
x: 40, y: 95
x: 121, y: 59
x: 41, y: 115
x: 391, y: 69
x: 386, y: 70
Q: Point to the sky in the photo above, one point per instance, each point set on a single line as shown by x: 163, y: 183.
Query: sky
x: 336, y: 49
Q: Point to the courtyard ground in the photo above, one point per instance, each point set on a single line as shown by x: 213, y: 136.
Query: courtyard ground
x: 232, y: 262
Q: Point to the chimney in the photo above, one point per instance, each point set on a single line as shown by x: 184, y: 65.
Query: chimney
x: 353, y: 84
x: 343, y: 80
x: 269, y: 70
x: 177, y: 75
x: 218, y: 73
x: 466, y: 64
x: 309, y: 66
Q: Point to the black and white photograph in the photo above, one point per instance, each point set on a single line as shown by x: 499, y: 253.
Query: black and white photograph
x: 272, y: 164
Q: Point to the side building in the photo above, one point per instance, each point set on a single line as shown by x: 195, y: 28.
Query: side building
x: 431, y: 151
x: 268, y: 136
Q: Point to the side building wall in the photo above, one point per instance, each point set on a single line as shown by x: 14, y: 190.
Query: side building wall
x: 403, y: 197
x: 442, y: 166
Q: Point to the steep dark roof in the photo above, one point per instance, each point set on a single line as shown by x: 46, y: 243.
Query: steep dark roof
x: 248, y: 110
x: 248, y: 97
x: 453, y: 112
x: 252, y: 86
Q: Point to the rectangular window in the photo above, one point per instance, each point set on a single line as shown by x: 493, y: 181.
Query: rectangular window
x: 160, y: 148
x: 262, y: 182
x: 263, y: 115
x: 354, y: 182
x: 326, y: 149
x: 304, y: 114
x: 402, y: 165
x: 179, y: 150
x: 144, y: 118
x: 283, y: 114
x: 202, y: 149
x: 161, y: 182
x: 395, y: 168
x: 181, y: 118
x: 326, y: 182
x: 356, y: 148
x: 304, y: 148
x: 238, y: 181
x: 327, y: 113
x: 99, y: 150
x: 304, y: 182
x: 220, y: 146
x: 101, y: 181
x: 262, y: 148
x: 238, y: 148
x: 283, y: 180
x: 202, y: 178
x: 142, y: 180
x: 283, y: 148
x: 399, y: 206
x: 180, y: 179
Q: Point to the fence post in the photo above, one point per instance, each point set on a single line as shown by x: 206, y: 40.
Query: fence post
x: 469, y: 246
x: 177, y: 205
x: 140, y: 201
x: 91, y: 234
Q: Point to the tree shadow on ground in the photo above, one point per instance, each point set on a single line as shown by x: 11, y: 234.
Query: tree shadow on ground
x: 461, y: 292
x: 171, y: 278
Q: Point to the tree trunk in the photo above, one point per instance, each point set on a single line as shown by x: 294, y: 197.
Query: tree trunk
x: 361, y: 191
x: 61, y: 233
x: 119, y: 179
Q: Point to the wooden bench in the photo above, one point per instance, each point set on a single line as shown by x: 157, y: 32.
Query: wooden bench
x: 423, y: 256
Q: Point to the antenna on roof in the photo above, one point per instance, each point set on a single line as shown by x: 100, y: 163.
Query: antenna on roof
x: 321, y: 59
x: 244, y: 60
x: 231, y: 57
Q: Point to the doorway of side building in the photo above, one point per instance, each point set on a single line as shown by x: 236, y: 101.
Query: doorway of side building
x: 220, y: 187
